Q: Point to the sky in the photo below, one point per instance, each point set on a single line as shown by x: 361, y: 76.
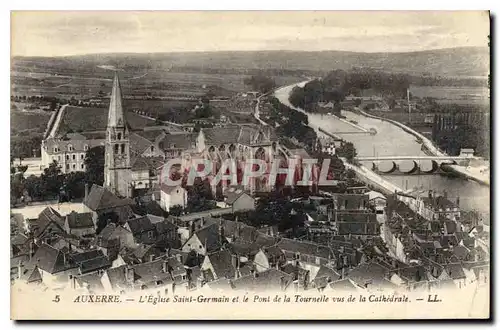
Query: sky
x: 63, y: 33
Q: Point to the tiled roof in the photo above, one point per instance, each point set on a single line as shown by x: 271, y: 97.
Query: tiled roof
x: 454, y: 271
x: 51, y: 260
x: 368, y: 273
x: 209, y: 237
x: 233, y: 193
x: 91, y: 281
x: 243, y: 134
x: 222, y: 264
x: 270, y: 279
x: 343, y: 285
x: 139, y: 144
x: 439, y: 202
x: 144, y: 274
x: 177, y: 141
x: 101, y: 198
x: 140, y: 163
x: 140, y: 225
x: 79, y: 220
x: 304, y: 247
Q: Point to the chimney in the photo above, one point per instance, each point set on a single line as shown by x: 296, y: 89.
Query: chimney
x: 32, y: 249
x: 72, y: 281
x: 234, y: 260
x: 151, y: 257
x: 164, y: 266
x: 282, y: 283
x: 129, y: 275
x: 19, y: 270
x: 86, y: 191
x: 179, y: 257
x: 202, y: 222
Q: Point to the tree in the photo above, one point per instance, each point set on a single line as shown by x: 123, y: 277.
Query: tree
x: 176, y: 210
x: 260, y: 83
x: 94, y: 165
x: 52, y: 179
x: 348, y: 151
x: 74, y: 183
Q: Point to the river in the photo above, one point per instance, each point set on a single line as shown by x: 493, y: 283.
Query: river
x: 391, y: 140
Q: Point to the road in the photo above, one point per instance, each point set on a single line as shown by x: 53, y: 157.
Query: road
x: 57, y: 121
x: 256, y: 114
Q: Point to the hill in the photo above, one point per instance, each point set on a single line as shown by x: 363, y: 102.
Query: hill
x: 462, y: 62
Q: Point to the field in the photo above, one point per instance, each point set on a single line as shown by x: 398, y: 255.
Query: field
x: 163, y: 83
x: 447, y: 94
x: 78, y: 119
x: 27, y: 123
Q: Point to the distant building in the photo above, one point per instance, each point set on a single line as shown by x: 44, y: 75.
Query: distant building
x: 467, y: 152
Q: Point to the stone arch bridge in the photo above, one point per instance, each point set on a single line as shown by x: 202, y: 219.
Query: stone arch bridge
x: 438, y: 163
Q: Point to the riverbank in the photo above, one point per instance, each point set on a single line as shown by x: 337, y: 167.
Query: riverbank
x: 429, y: 147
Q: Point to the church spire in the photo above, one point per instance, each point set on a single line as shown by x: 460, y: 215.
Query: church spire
x: 116, y: 116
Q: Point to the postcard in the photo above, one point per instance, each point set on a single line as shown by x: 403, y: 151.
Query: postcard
x: 246, y: 165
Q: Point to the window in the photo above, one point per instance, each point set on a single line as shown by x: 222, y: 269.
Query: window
x: 70, y: 147
x: 119, y: 136
x: 85, y: 147
x: 58, y: 158
x: 67, y: 166
x: 74, y: 156
x: 199, y: 247
x: 159, y: 282
x: 82, y: 156
x: 74, y: 166
x: 56, y: 149
x: 123, y: 149
x: 67, y: 157
x: 81, y: 166
x: 152, y: 148
x: 150, y: 234
x: 116, y: 148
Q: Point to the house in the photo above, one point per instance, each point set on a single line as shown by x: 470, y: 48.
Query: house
x: 308, y: 255
x: 142, y: 229
x: 90, y: 261
x: 205, y: 240
x: 300, y: 276
x: 350, y: 201
x: 269, y: 257
x: 53, y: 265
x: 113, y: 238
x: 378, y: 201
x: 47, y: 226
x: 171, y: 196
x: 103, y: 204
x: 369, y: 275
x: 152, y: 276
x: 79, y: 224
x: 168, y: 236
x: 221, y: 264
x: 269, y: 280
x: 324, y: 277
x: 238, y: 199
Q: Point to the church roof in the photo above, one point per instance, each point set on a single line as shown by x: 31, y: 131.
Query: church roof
x: 116, y: 116
x: 101, y: 198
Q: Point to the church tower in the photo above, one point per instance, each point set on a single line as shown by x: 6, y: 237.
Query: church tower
x: 117, y: 169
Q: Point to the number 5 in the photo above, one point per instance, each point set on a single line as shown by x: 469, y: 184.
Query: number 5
x: 56, y: 299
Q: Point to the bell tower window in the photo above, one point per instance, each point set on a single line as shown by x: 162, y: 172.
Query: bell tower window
x: 119, y: 136
x: 123, y: 149
x: 116, y: 148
